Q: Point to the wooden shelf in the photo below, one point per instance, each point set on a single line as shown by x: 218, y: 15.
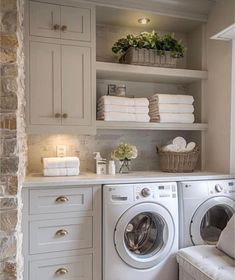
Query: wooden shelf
x: 127, y: 72
x: 150, y: 126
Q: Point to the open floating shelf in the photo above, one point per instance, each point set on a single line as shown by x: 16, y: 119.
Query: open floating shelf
x: 150, y: 126
x: 128, y: 72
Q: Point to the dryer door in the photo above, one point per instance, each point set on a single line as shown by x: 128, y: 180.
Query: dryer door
x: 210, y: 219
x: 144, y: 235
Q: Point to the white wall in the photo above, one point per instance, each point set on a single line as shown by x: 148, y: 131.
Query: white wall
x: 218, y: 89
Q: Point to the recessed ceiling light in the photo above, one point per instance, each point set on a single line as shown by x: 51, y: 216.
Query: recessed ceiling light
x: 143, y: 20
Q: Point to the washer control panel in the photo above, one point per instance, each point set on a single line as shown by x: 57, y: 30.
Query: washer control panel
x: 153, y: 191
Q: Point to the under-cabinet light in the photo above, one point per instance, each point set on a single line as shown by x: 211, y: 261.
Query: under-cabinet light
x: 143, y: 20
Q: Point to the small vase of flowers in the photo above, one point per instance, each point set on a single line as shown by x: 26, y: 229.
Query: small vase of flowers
x: 124, y: 153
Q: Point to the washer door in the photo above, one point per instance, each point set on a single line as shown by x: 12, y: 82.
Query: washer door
x: 144, y: 235
x: 210, y: 219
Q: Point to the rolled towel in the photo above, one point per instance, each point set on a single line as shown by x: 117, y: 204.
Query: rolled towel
x: 172, y: 99
x: 123, y: 109
x: 115, y: 116
x: 171, y: 108
x: 123, y: 101
x: 54, y: 172
x: 174, y: 118
x: 61, y: 162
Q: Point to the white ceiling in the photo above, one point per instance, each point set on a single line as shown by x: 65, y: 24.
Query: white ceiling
x: 188, y: 9
x: 129, y: 18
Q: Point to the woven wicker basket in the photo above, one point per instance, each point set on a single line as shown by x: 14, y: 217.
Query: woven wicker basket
x: 148, y: 57
x: 178, y: 161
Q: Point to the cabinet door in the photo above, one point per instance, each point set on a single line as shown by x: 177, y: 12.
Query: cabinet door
x: 44, y: 20
x: 45, y: 86
x: 76, y: 85
x: 76, y: 23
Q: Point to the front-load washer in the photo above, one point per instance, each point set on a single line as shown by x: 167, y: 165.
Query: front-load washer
x: 205, y: 207
x: 140, y: 231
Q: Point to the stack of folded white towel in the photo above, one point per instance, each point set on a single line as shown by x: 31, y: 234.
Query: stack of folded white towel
x: 169, y: 108
x: 61, y: 166
x: 114, y: 108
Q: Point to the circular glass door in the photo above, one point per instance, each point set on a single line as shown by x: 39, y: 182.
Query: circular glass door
x: 210, y: 219
x: 144, y: 235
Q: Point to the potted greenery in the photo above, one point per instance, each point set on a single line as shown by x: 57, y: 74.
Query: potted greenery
x: 148, y: 48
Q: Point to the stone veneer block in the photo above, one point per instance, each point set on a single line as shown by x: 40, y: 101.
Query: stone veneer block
x: 9, y: 165
x: 8, y: 203
x: 8, y: 221
x: 7, y: 247
x: 9, y: 69
x: 6, y: 5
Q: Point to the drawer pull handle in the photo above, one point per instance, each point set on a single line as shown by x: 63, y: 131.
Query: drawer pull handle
x: 61, y: 271
x: 64, y: 28
x: 61, y: 233
x: 56, y: 27
x: 65, y: 116
x: 62, y: 199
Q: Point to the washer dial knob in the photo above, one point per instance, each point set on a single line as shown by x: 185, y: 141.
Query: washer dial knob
x: 218, y: 188
x: 146, y: 192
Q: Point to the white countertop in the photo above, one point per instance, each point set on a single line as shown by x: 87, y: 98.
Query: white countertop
x: 37, y: 180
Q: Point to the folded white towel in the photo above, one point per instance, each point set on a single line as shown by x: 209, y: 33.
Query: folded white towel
x: 115, y: 116
x: 53, y: 172
x: 174, y: 118
x: 123, y: 109
x: 171, y: 108
x: 61, y: 162
x: 172, y: 99
x: 123, y: 101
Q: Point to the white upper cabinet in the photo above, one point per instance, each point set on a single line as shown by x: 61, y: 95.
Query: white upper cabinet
x: 44, y: 84
x: 75, y: 24
x: 76, y: 76
x: 62, y: 22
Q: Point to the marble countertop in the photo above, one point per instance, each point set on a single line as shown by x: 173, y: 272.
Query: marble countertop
x: 37, y: 180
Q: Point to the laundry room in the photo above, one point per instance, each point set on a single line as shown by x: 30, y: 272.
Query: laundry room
x: 134, y: 179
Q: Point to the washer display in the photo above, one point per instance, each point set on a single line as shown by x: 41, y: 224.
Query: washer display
x: 205, y: 208
x: 142, y: 240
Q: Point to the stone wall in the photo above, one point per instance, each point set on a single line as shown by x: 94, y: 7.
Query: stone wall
x: 12, y: 137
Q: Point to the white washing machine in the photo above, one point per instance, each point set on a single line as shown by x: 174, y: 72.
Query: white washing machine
x: 205, y: 207
x: 140, y: 231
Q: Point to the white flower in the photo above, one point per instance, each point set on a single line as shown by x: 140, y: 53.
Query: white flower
x: 124, y: 151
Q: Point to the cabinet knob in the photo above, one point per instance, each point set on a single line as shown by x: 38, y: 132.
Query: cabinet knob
x: 64, y: 28
x: 56, y: 27
x: 62, y: 199
x: 61, y: 233
x: 61, y: 271
x: 65, y: 116
x: 57, y: 115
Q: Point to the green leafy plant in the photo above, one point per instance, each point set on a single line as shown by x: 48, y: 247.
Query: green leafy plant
x: 150, y: 40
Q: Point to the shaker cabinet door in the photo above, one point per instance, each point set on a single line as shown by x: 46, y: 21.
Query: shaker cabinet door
x: 45, y: 84
x: 76, y: 85
x: 44, y: 20
x: 75, y: 23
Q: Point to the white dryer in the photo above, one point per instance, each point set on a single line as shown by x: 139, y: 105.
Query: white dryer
x: 205, y: 207
x: 140, y: 231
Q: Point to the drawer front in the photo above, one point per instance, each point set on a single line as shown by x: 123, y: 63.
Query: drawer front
x: 60, y: 235
x: 44, y: 20
x: 69, y: 268
x: 60, y: 200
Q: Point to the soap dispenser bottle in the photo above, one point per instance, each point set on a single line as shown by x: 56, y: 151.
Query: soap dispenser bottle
x: 100, y: 164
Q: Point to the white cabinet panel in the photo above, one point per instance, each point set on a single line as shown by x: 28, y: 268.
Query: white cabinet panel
x: 76, y: 85
x: 45, y: 89
x: 69, y: 268
x: 60, y: 200
x: 44, y: 18
x: 60, y: 234
x: 77, y: 23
